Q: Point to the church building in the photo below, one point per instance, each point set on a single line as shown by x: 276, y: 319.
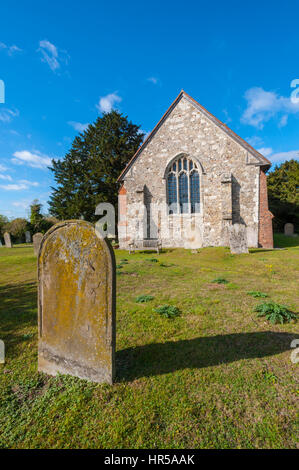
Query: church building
x: 191, y: 179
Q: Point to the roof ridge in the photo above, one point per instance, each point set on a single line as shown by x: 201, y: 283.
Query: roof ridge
x: 207, y: 113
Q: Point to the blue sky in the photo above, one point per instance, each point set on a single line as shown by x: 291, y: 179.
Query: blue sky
x: 64, y: 62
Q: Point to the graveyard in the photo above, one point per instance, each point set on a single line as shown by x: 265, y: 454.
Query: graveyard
x: 195, y: 365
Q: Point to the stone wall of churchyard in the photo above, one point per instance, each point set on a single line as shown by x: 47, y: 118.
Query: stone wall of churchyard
x: 187, y: 130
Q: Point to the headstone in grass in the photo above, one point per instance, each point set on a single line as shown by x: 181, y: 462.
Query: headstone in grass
x: 28, y: 237
x: 238, y: 239
x: 76, y: 276
x: 2, y: 352
x: 167, y: 311
x: 141, y: 299
x: 37, y: 239
x: 289, y: 230
x: 7, y: 239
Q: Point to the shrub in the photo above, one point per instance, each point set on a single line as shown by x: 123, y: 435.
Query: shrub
x: 167, y: 311
x: 275, y: 313
x: 220, y: 280
x: 143, y: 298
x: 152, y: 260
x: 256, y: 294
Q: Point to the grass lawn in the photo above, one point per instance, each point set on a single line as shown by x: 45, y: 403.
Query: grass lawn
x: 214, y: 377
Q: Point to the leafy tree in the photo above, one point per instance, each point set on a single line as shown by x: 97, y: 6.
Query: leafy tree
x: 38, y: 221
x: 283, y: 192
x: 17, y: 228
x: 36, y: 216
x: 87, y: 175
x: 3, y: 222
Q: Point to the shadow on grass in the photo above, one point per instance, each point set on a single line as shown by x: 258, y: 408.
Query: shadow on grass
x: 18, y: 310
x: 18, y: 306
x: 197, y: 353
x: 283, y: 241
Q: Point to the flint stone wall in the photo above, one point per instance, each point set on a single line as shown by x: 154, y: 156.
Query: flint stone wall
x: 188, y: 131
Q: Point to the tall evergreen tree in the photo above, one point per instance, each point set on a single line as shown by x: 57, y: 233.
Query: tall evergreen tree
x: 87, y: 175
x: 283, y: 192
x: 36, y: 216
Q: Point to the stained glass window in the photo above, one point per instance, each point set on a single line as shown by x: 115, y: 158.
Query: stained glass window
x: 172, y: 193
x: 183, y: 192
x: 183, y: 186
x: 194, y: 192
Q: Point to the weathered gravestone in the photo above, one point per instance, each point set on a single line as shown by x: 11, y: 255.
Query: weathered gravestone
x: 76, y: 275
x: 238, y: 239
x: 7, y: 239
x: 37, y: 239
x: 2, y: 352
x: 289, y: 230
x: 28, y: 237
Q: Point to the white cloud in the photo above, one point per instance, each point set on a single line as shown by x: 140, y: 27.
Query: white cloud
x: 51, y: 55
x: 14, y: 187
x: 10, y: 49
x: 19, y: 185
x: 153, y: 80
x: 107, y: 102
x: 264, y: 105
x: 284, y: 156
x: 5, y: 177
x: 278, y: 157
x: 22, y: 204
x: 35, y: 160
x: 29, y: 183
x: 6, y: 115
x: 254, y: 140
x: 78, y: 126
x: 3, y: 168
x: 266, y: 151
x: 227, y: 117
x: 283, y: 121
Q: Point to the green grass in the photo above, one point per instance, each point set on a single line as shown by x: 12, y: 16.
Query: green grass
x: 214, y: 377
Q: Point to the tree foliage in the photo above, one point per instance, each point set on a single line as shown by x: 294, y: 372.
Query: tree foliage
x: 283, y: 193
x: 87, y: 175
x: 17, y: 228
x: 38, y: 221
x: 36, y: 216
x: 3, y: 222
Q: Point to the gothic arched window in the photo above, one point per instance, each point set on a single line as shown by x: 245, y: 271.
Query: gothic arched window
x: 183, y: 186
